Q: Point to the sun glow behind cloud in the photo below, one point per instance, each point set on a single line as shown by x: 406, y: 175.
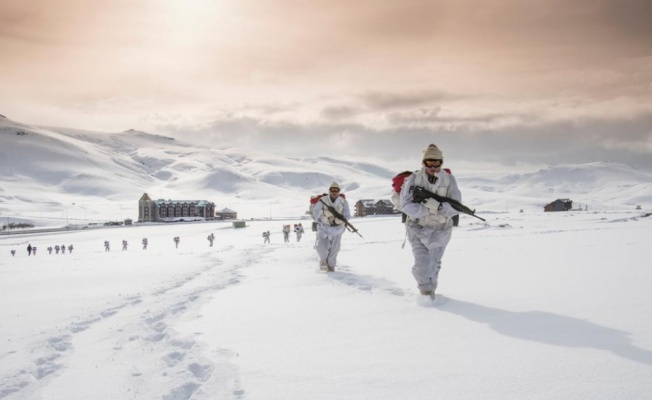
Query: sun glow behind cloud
x: 192, y: 23
x: 286, y: 69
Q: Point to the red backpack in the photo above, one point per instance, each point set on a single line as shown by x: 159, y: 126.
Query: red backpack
x: 397, y: 185
x: 314, y: 200
x: 397, y: 181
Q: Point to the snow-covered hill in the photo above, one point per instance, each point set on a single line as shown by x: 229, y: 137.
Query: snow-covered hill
x: 46, y: 170
x: 597, y: 185
x: 63, y: 173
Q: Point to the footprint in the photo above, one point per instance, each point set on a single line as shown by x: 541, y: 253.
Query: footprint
x: 45, y: 370
x: 201, y: 372
x: 60, y: 343
x: 174, y: 358
x: 184, y: 344
x: 156, y: 338
x: 183, y: 392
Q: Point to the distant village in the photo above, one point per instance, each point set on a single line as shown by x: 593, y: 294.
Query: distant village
x: 180, y: 210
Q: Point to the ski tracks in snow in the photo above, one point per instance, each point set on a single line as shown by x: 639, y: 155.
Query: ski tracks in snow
x: 133, y: 339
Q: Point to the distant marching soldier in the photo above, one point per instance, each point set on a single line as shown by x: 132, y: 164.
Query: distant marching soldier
x: 144, y: 243
x: 286, y: 233
x: 107, y: 246
x: 298, y: 229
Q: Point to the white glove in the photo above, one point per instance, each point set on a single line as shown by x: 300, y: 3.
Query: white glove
x: 447, y: 210
x: 432, y: 204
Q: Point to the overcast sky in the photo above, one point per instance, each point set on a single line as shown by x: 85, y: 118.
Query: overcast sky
x: 509, y: 81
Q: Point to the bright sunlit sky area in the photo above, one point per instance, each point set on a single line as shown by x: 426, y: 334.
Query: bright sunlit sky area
x: 506, y: 82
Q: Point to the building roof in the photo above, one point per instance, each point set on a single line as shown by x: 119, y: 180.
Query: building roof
x: 372, y: 202
x: 200, y: 203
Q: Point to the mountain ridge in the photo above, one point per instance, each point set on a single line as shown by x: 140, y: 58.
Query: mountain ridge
x: 51, y: 168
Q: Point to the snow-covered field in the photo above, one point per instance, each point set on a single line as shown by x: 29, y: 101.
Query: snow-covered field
x: 531, y: 306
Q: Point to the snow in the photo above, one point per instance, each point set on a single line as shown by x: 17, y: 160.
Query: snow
x: 530, y: 305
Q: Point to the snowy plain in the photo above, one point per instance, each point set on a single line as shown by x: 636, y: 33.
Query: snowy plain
x: 531, y: 305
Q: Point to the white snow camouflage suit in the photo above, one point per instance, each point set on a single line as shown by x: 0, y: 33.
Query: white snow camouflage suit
x: 330, y: 229
x: 429, y: 231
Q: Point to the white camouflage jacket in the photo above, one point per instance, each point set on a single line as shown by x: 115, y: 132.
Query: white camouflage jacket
x: 423, y: 216
x: 328, y: 224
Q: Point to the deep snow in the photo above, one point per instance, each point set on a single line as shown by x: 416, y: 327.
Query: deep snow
x: 530, y: 306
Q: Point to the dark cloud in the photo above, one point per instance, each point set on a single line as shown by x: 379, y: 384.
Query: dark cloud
x: 628, y: 141
x: 338, y: 113
x: 391, y: 100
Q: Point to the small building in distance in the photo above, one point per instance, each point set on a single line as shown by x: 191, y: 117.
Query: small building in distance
x: 170, y: 210
x: 226, y: 213
x: 373, y: 207
x: 559, y: 205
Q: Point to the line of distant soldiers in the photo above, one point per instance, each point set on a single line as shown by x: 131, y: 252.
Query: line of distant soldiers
x: 31, y: 250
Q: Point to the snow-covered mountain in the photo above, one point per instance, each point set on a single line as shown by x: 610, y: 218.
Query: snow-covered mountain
x: 49, y: 169
x: 73, y: 174
x: 597, y: 185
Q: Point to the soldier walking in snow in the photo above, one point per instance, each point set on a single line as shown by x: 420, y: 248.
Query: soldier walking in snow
x: 49, y: 249
x: 298, y: 230
x: 176, y: 241
x: 286, y: 233
x: 63, y: 249
x: 124, y: 245
x: 70, y: 249
x: 107, y: 246
x: 57, y: 249
x: 430, y: 223
x: 330, y: 228
x: 266, y: 236
x: 29, y: 249
x: 211, y: 239
x: 13, y: 253
x: 145, y: 243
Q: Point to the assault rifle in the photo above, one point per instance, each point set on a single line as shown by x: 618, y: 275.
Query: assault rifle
x: 339, y: 216
x: 420, y: 194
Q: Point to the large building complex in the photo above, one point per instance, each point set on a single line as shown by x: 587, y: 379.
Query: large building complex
x: 170, y: 210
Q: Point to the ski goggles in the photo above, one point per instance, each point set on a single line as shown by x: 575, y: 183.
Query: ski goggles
x: 433, y: 163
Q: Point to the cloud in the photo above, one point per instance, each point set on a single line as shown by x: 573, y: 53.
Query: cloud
x: 392, y: 100
x: 485, y: 79
x: 626, y: 140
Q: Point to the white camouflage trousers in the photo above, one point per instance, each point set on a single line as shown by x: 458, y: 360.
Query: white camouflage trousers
x: 428, y: 248
x: 327, y: 248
